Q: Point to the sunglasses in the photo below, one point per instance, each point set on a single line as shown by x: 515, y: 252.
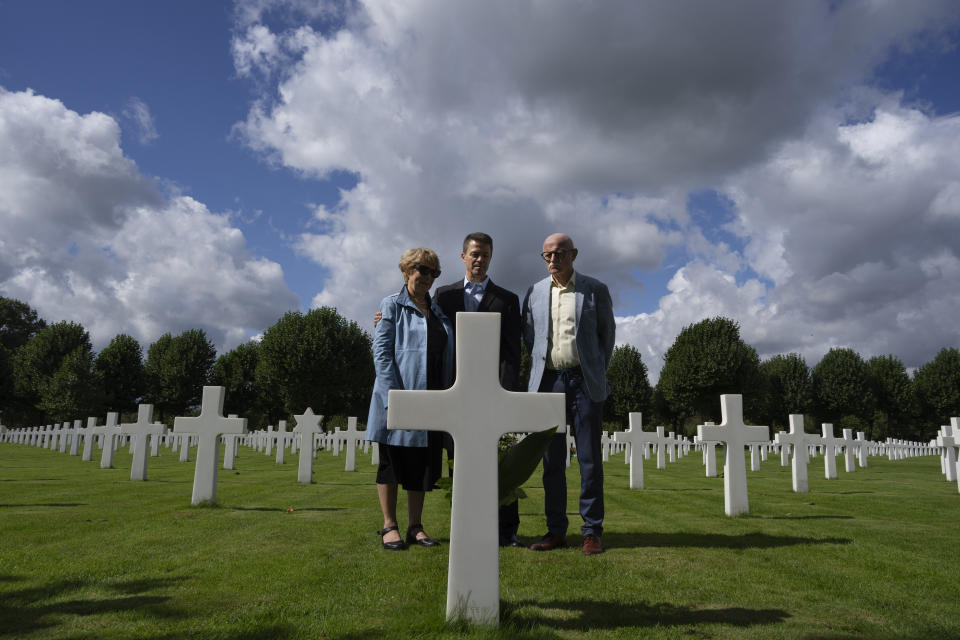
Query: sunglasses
x: 427, y: 271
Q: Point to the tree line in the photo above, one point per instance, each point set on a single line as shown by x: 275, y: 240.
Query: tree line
x: 49, y: 373
x: 708, y: 358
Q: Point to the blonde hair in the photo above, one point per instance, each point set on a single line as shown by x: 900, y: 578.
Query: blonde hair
x: 420, y: 255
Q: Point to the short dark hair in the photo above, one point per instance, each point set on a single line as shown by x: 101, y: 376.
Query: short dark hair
x: 479, y: 237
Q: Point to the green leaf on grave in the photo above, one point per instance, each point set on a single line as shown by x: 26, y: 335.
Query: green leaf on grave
x: 518, y: 463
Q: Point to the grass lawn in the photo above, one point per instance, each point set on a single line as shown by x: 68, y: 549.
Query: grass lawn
x: 86, y: 553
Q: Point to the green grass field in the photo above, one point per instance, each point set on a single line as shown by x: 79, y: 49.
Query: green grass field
x: 88, y: 554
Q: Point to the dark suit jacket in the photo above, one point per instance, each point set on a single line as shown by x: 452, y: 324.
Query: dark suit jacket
x: 499, y: 300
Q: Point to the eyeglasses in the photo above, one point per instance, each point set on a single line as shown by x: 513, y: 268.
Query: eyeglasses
x: 427, y: 271
x: 559, y: 254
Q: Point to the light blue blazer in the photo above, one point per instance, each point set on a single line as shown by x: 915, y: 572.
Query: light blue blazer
x: 595, y: 331
x: 400, y: 361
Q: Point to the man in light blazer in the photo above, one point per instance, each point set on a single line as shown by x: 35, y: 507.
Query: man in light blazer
x: 476, y: 292
x: 568, y: 326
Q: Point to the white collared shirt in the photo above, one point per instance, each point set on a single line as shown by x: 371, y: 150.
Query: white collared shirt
x: 562, y: 346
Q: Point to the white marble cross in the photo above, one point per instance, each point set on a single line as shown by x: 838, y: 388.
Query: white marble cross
x: 735, y: 434
x: 141, y: 431
x: 281, y: 437
x: 947, y: 439
x: 90, y: 438
x: 800, y: 443
x: 351, y: 435
x: 863, y: 448
x: 308, y: 426
x: 476, y: 411
x: 638, y: 439
x: 66, y: 433
x: 849, y: 451
x: 110, y: 432
x: 77, y: 436
x: 208, y: 426
x: 830, y: 443
x: 709, y: 454
x: 661, y: 441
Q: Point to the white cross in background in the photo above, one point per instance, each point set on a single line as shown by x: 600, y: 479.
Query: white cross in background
x: 638, y: 439
x: 141, y: 431
x: 208, y: 427
x: 735, y: 434
x: 110, y: 432
x: 830, y: 443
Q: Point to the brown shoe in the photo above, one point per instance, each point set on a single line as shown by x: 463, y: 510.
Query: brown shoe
x: 549, y: 542
x: 591, y: 545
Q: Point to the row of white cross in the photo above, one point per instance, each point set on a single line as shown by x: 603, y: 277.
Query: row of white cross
x: 145, y: 431
x: 735, y: 436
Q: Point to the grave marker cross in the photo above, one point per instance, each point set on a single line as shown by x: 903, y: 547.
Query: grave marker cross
x: 110, y: 432
x: 830, y: 443
x: 141, y: 431
x: 638, y: 439
x: 735, y: 434
x: 476, y: 411
x: 208, y: 426
x: 947, y: 439
x: 800, y: 443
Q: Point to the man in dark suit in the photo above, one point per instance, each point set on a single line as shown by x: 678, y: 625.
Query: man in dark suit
x: 476, y: 292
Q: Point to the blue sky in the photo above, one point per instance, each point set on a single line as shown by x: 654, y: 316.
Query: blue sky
x: 197, y: 164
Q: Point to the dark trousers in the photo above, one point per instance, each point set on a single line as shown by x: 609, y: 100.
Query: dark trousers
x: 584, y: 417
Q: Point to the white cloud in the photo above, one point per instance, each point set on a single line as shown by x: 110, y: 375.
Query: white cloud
x: 521, y: 119
x: 88, y: 238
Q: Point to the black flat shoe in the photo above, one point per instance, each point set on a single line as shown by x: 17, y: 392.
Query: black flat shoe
x: 423, y: 542
x: 398, y: 545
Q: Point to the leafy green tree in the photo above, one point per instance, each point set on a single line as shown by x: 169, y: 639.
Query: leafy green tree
x: 318, y: 360
x: 120, y: 374
x: 18, y: 323
x: 6, y: 384
x: 786, y: 388
x: 629, y: 387
x: 706, y: 360
x: 661, y: 413
x: 70, y: 393
x: 40, y: 358
x: 840, y: 384
x: 177, y: 368
x: 236, y: 372
x: 937, y: 388
x: 895, y: 408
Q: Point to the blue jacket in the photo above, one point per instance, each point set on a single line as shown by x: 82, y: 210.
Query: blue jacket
x: 400, y: 360
x: 596, y: 332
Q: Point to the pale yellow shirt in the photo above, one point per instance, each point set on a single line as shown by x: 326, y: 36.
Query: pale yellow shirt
x: 562, y: 349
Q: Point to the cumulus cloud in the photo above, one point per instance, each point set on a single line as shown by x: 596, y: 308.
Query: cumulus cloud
x: 88, y: 238
x: 600, y: 120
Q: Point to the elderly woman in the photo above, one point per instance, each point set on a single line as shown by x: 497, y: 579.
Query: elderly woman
x: 412, y: 349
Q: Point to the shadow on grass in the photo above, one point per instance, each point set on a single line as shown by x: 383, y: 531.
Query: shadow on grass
x: 802, y: 517
x: 585, y: 615
x: 27, y: 610
x: 44, y: 504
x: 283, y: 510
x: 272, y: 632
x: 710, y: 540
